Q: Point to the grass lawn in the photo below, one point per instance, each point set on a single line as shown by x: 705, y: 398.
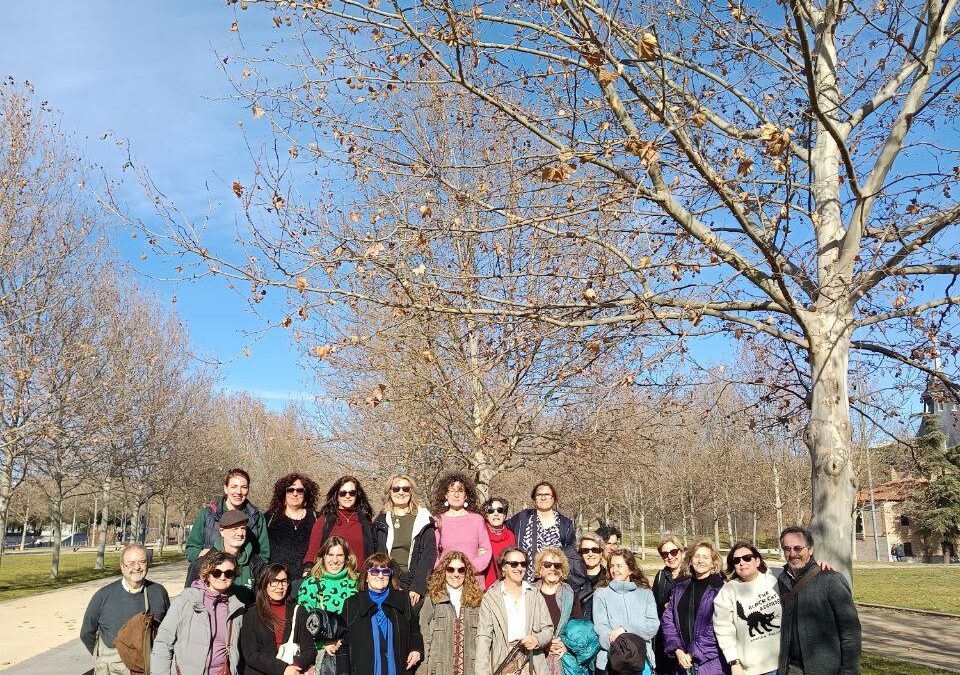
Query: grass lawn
x: 873, y: 664
x: 930, y: 587
x: 29, y: 573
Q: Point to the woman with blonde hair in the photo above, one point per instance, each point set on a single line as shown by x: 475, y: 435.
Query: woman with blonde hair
x: 448, y: 618
x: 688, y: 632
x: 406, y: 532
x: 670, y: 549
x: 551, y: 569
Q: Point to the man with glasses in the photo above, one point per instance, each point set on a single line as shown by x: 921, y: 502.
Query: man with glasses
x: 115, y: 604
x: 235, y: 539
x: 820, y: 629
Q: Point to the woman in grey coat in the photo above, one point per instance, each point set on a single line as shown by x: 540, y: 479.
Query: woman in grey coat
x: 513, y: 611
x: 200, y: 634
x: 449, y: 616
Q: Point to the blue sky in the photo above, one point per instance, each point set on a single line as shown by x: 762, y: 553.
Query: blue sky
x: 149, y: 73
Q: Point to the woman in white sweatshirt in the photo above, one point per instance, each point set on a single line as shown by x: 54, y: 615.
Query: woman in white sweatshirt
x: 746, y: 614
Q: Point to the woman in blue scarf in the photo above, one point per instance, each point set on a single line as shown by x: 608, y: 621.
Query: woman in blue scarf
x: 383, y: 634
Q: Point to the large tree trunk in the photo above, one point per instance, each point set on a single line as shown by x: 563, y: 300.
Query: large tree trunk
x: 163, y: 525
x: 827, y: 437
x: 104, y: 520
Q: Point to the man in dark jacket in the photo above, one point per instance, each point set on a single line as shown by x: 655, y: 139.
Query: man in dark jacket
x: 820, y: 629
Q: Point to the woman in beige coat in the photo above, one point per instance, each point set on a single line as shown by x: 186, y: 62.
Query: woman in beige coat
x: 513, y: 611
x: 448, y: 618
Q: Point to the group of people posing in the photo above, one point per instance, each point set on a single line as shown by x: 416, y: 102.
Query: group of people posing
x: 461, y: 588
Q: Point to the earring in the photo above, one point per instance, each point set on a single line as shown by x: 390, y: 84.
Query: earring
x: 446, y: 503
x: 466, y: 504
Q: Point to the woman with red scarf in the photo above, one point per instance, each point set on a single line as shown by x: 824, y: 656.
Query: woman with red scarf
x: 494, y: 512
x: 346, y: 513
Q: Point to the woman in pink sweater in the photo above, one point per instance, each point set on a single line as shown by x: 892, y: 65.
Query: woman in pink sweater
x: 459, y: 526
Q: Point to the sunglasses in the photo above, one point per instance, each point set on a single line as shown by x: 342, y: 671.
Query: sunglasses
x: 347, y: 493
x: 497, y: 509
x: 400, y: 488
x: 672, y: 553
x: 456, y: 570
x: 295, y: 491
x: 515, y: 563
x: 380, y: 572
x: 792, y: 549
x: 590, y: 549
x: 216, y: 573
x: 551, y: 566
x: 743, y: 558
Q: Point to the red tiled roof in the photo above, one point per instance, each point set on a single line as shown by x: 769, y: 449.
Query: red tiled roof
x: 892, y: 491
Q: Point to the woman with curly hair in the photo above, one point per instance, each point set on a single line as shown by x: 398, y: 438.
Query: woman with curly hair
x: 460, y: 527
x: 624, y: 606
x: 290, y: 520
x: 346, y: 512
x: 448, y: 618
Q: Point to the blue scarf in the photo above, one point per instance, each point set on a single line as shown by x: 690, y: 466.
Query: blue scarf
x: 381, y: 628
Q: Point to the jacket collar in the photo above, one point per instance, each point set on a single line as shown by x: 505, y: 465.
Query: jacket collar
x: 803, y: 570
x: 420, y: 521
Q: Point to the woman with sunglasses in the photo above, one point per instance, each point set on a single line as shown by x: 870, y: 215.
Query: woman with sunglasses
x: 543, y: 525
x: 591, y: 571
x: 275, y: 621
x: 624, y: 605
x: 346, y: 512
x: 688, y: 633
x: 290, y: 519
x: 200, y: 633
x: 449, y: 616
x: 331, y: 582
x: 551, y: 570
x: 383, y: 633
x: 512, y: 611
x: 405, y: 531
x: 747, y: 612
x: 494, y: 512
x: 460, y: 527
x: 670, y: 549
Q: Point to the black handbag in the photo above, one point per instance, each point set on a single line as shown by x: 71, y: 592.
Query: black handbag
x: 325, y: 626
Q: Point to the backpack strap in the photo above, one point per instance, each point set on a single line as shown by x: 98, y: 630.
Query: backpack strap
x: 800, y: 585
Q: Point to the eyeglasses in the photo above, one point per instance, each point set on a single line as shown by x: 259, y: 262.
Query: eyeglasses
x: 737, y: 559
x: 792, y: 549
x: 216, y: 573
x: 515, y: 563
x: 456, y: 491
x: 551, y: 566
x: 276, y: 583
x: 347, y: 493
x: 586, y: 550
x: 497, y: 509
x: 544, y: 495
x: 400, y: 488
x: 135, y: 563
x: 456, y: 570
x: 612, y: 544
x: 672, y: 553
x: 380, y: 572
x: 295, y: 490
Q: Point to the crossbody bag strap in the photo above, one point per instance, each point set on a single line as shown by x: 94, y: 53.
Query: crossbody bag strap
x: 293, y: 626
x: 799, y: 586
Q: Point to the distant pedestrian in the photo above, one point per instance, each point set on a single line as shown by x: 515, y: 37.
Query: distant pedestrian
x: 406, y: 532
x: 290, y: 520
x: 236, y: 485
x: 671, y: 551
x: 461, y: 528
x: 200, y: 635
x: 234, y: 538
x: 900, y: 552
x: 346, y: 512
x: 495, y: 511
x: 543, y: 525
x: 820, y: 631
x: 115, y: 604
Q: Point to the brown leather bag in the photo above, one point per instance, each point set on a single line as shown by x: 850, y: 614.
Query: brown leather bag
x: 134, y: 640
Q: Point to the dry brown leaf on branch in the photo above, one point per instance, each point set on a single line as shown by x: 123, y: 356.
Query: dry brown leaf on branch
x: 556, y: 174
x: 237, y: 189
x: 647, y: 47
x: 377, y: 396
x: 775, y: 140
x: 744, y: 167
x: 606, y: 77
x: 645, y: 150
x: 323, y: 351
x: 302, y: 284
x: 234, y: 27
x: 374, y: 250
x: 700, y: 120
x: 257, y: 111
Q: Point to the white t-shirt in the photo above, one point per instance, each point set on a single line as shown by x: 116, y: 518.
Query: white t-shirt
x: 516, y: 613
x: 747, y: 618
x: 456, y: 597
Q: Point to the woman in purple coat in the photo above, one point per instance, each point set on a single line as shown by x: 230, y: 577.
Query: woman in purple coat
x: 688, y: 620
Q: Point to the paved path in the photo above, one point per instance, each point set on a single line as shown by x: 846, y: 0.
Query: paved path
x: 930, y: 640
x: 48, y: 624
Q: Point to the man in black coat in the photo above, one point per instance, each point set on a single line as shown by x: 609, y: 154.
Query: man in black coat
x: 820, y: 629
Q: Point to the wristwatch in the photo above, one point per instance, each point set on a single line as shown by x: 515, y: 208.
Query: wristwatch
x: 735, y: 662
